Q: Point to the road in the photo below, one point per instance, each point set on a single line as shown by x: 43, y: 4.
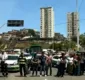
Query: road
x: 15, y: 76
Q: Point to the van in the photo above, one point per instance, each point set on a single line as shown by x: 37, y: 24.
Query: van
x: 18, y: 51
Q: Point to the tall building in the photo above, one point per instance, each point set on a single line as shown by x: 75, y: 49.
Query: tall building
x: 72, y: 24
x: 47, y: 22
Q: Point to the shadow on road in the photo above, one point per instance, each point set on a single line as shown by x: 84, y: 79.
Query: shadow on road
x: 13, y: 72
x: 35, y: 76
x: 1, y: 76
x: 18, y: 76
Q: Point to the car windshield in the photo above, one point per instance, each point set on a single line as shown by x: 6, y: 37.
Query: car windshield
x: 56, y: 57
x: 26, y: 55
x: 12, y: 57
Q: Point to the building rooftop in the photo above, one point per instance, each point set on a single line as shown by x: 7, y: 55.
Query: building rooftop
x: 45, y: 7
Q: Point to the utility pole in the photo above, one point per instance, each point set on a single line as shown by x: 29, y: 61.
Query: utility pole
x: 77, y: 26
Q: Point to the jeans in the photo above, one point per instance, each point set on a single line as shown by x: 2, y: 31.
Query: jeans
x: 61, y: 69
x: 4, y: 69
x: 82, y: 68
x: 35, y: 69
x: 22, y: 68
x: 42, y: 69
x: 47, y: 68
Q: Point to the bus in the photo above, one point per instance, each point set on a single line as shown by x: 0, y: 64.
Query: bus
x: 34, y: 48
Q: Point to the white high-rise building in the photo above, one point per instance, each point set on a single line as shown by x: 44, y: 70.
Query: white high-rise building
x: 47, y: 22
x: 72, y: 25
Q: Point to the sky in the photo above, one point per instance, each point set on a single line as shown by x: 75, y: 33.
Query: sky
x: 29, y: 11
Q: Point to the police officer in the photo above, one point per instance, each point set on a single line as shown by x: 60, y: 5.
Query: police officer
x: 22, y: 64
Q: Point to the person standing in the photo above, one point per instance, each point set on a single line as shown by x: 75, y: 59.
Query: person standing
x: 70, y: 65
x: 61, y: 66
x: 58, y: 67
x: 78, y: 66
x: 49, y: 64
x: 4, y: 69
x: 22, y: 64
x: 42, y: 63
x: 35, y: 63
x: 82, y: 64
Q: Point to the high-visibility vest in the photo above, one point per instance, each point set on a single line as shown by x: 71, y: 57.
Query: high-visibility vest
x: 22, y: 60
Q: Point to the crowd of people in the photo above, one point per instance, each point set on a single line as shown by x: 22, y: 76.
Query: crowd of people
x: 44, y: 62
x: 74, y: 64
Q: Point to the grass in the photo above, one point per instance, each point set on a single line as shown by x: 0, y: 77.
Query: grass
x: 24, y: 45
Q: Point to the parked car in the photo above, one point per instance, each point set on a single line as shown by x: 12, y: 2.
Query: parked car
x: 12, y: 62
x: 28, y: 58
x: 55, y: 60
x: 17, y: 51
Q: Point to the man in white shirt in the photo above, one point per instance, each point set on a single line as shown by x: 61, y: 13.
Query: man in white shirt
x: 70, y: 65
x: 3, y: 57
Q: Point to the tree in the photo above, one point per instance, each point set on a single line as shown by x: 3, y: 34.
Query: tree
x: 59, y: 36
x: 18, y: 34
x: 82, y: 40
x: 31, y: 32
x: 65, y: 45
x: 68, y: 45
x: 1, y: 41
x: 56, y: 46
x: 72, y: 44
x: 74, y: 38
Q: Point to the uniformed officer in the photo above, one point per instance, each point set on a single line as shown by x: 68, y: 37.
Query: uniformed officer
x: 22, y: 64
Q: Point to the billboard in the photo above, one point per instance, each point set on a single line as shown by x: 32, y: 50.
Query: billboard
x: 15, y: 23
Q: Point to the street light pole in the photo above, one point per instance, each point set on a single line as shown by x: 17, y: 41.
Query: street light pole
x: 77, y: 26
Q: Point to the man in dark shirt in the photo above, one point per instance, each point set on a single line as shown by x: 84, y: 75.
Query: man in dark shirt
x: 35, y: 63
x: 42, y: 63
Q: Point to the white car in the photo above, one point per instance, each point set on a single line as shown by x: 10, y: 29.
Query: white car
x: 55, y: 60
x: 18, y: 51
x: 28, y: 57
x: 12, y: 62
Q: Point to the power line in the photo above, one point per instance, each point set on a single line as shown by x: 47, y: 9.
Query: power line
x: 80, y: 5
x: 3, y: 25
x: 76, y: 20
x: 69, y: 22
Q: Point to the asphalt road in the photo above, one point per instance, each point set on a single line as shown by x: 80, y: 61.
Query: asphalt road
x: 16, y: 76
